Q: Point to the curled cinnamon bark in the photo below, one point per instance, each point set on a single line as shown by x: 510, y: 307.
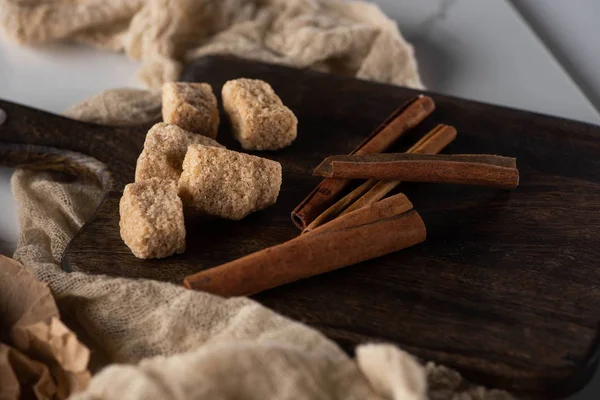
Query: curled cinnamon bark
x: 383, y: 228
x: 471, y: 169
x: 338, y: 207
x: 402, y: 120
x: 432, y: 143
x: 372, y: 190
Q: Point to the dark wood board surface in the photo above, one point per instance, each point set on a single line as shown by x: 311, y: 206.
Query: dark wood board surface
x: 506, y: 287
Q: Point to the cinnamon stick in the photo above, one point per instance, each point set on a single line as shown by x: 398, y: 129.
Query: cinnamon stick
x: 375, y: 193
x: 483, y: 170
x: 403, y: 119
x: 338, y: 207
x: 383, y: 228
x: 387, y: 208
x: 372, y: 190
x: 432, y: 143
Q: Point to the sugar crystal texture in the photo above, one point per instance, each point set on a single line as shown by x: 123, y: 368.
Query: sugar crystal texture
x: 164, y: 151
x: 259, y: 119
x: 151, y: 222
x: 191, y: 106
x: 227, y: 184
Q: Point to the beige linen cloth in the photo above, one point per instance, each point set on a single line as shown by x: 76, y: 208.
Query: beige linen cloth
x: 160, y: 341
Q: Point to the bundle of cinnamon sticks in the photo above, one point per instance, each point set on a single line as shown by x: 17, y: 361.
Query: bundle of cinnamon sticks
x: 345, y: 241
x: 362, y: 224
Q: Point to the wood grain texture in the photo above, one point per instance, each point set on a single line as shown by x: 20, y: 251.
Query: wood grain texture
x: 504, y: 289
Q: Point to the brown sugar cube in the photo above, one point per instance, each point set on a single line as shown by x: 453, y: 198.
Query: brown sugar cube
x: 258, y: 118
x: 191, y: 106
x: 226, y: 183
x: 152, y: 219
x: 164, y: 150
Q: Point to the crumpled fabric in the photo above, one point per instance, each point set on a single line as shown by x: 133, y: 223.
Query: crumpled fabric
x: 153, y: 339
x: 345, y: 37
x: 166, y: 342
x: 40, y: 358
x: 120, y: 107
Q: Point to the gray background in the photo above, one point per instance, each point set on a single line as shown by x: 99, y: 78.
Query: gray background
x: 534, y: 55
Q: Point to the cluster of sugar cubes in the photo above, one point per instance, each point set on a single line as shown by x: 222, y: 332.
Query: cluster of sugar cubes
x: 182, y: 170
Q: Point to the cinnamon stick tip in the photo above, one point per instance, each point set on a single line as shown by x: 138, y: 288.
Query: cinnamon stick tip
x: 197, y: 281
x: 323, y: 169
x: 517, y: 180
x: 450, y: 130
x: 426, y: 101
x: 298, y: 220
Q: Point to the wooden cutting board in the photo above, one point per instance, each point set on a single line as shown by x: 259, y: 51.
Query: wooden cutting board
x: 506, y: 287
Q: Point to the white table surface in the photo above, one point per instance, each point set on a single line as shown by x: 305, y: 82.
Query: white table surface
x: 571, y: 32
x: 531, y: 57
